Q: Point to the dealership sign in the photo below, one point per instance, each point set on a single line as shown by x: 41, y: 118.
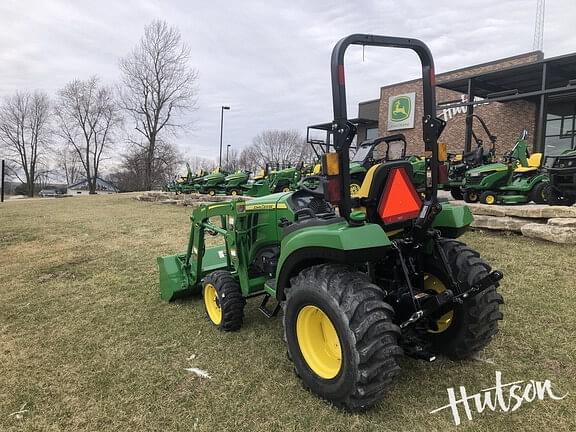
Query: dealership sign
x: 401, y: 111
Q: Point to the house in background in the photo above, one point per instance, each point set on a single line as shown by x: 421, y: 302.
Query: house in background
x: 81, y: 188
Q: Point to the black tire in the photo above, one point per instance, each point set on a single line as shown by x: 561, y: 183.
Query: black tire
x: 488, y: 197
x: 457, y: 194
x: 471, y: 196
x: 554, y: 198
x: 235, y: 192
x: 475, y: 321
x: 366, y: 334
x: 537, y: 194
x: 211, y: 192
x: 229, y: 300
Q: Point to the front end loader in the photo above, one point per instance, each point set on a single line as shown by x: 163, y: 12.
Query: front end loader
x: 360, y: 280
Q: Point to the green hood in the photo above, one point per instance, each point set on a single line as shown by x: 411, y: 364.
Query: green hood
x: 498, y: 166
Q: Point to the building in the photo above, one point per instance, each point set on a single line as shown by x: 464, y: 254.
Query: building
x: 511, y: 94
x: 81, y: 188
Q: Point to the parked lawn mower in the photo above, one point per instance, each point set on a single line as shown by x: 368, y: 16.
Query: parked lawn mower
x: 518, y: 180
x: 283, y: 179
x: 561, y: 170
x: 211, y: 183
x: 233, y: 183
x: 359, y: 287
x: 458, y: 164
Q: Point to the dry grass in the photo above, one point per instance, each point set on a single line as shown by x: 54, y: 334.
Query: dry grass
x: 86, y: 343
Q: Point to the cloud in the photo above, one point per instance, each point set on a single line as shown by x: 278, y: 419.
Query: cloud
x: 268, y: 60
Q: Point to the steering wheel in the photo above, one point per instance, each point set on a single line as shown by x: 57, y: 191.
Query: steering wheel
x: 319, y: 191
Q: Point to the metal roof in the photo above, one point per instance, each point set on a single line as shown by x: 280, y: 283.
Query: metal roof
x: 521, y: 79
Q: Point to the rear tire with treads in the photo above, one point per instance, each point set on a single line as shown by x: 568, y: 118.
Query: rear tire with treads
x: 538, y: 193
x: 475, y: 322
x: 362, y: 321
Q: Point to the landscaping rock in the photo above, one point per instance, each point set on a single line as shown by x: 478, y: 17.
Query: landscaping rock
x: 564, y: 222
x: 168, y: 201
x: 553, y: 233
x: 487, y: 210
x: 533, y: 211
x: 506, y: 223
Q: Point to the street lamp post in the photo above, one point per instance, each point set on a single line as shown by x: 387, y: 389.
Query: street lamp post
x: 221, y: 128
x: 227, y: 150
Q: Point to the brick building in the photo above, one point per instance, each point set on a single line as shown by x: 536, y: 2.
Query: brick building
x: 510, y: 94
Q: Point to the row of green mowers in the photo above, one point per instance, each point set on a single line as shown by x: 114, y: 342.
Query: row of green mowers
x: 361, y: 280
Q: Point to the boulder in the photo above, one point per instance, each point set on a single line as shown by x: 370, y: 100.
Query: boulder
x: 536, y: 211
x: 168, y: 201
x: 487, y: 210
x: 553, y: 233
x: 564, y: 222
x: 499, y: 222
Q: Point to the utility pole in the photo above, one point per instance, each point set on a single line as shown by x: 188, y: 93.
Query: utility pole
x: 227, y: 150
x: 221, y: 129
x: 2, y: 180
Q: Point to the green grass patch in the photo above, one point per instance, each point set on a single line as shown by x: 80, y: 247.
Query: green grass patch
x: 87, y: 344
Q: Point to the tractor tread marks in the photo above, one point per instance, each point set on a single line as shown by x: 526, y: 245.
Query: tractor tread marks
x: 370, y: 320
x: 483, y: 311
x: 230, y: 297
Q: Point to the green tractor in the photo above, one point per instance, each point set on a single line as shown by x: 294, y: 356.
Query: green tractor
x: 561, y: 170
x: 518, y: 180
x: 176, y: 185
x: 369, y: 153
x: 361, y: 280
x: 459, y: 164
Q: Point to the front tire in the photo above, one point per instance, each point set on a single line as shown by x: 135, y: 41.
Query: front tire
x: 223, y: 300
x: 472, y: 324
x: 488, y: 197
x: 457, y: 194
x: 340, y: 336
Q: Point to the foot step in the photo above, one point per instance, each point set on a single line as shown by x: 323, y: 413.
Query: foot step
x: 267, y: 312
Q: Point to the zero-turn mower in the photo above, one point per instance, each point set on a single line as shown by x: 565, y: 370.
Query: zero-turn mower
x: 361, y: 281
x: 517, y: 180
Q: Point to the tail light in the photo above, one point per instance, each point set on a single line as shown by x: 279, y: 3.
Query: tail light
x: 332, y: 189
x: 400, y: 201
x: 442, y: 174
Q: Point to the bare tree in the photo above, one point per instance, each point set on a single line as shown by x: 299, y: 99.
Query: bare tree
x: 158, y: 87
x: 25, y: 132
x: 68, y: 163
x: 131, y: 176
x: 88, y: 117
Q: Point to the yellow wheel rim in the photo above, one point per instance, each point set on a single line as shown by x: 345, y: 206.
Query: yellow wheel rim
x: 431, y: 282
x: 490, y: 199
x: 473, y: 197
x: 285, y: 189
x: 233, y: 193
x: 212, y: 304
x: 354, y: 188
x: 318, y: 342
x: 211, y: 193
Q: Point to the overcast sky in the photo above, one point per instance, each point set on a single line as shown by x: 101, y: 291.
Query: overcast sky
x: 268, y: 60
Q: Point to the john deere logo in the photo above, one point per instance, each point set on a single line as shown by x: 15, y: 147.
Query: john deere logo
x: 401, y: 107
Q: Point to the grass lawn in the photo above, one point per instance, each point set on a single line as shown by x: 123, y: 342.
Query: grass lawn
x: 87, y: 344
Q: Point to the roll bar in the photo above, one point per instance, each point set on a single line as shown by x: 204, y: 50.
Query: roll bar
x: 344, y: 131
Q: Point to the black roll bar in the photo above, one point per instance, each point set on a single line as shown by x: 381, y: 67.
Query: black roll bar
x: 344, y: 131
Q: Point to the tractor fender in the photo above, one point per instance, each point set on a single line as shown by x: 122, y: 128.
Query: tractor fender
x: 336, y: 242
x: 453, y: 220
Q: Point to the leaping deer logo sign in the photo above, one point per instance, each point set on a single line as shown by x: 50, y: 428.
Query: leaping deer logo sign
x: 401, y: 107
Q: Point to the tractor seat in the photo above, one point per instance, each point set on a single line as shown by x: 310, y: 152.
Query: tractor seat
x: 374, y: 185
x: 534, y: 162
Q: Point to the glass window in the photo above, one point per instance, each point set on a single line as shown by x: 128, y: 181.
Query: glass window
x: 553, y: 127
x: 371, y: 133
x: 556, y: 145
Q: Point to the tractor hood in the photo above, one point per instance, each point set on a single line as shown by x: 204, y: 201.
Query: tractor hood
x: 484, y: 169
x: 236, y: 176
x: 356, y: 167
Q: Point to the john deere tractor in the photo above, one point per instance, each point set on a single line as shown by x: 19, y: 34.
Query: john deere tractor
x: 518, y: 180
x: 562, y: 173
x: 277, y: 178
x: 210, y: 183
x: 361, y: 281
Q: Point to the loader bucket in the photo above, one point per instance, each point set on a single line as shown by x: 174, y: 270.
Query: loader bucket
x: 174, y: 282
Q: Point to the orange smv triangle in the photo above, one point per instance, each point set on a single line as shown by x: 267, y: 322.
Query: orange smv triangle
x: 400, y: 201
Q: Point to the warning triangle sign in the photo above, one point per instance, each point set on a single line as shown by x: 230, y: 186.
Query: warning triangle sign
x: 400, y: 201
